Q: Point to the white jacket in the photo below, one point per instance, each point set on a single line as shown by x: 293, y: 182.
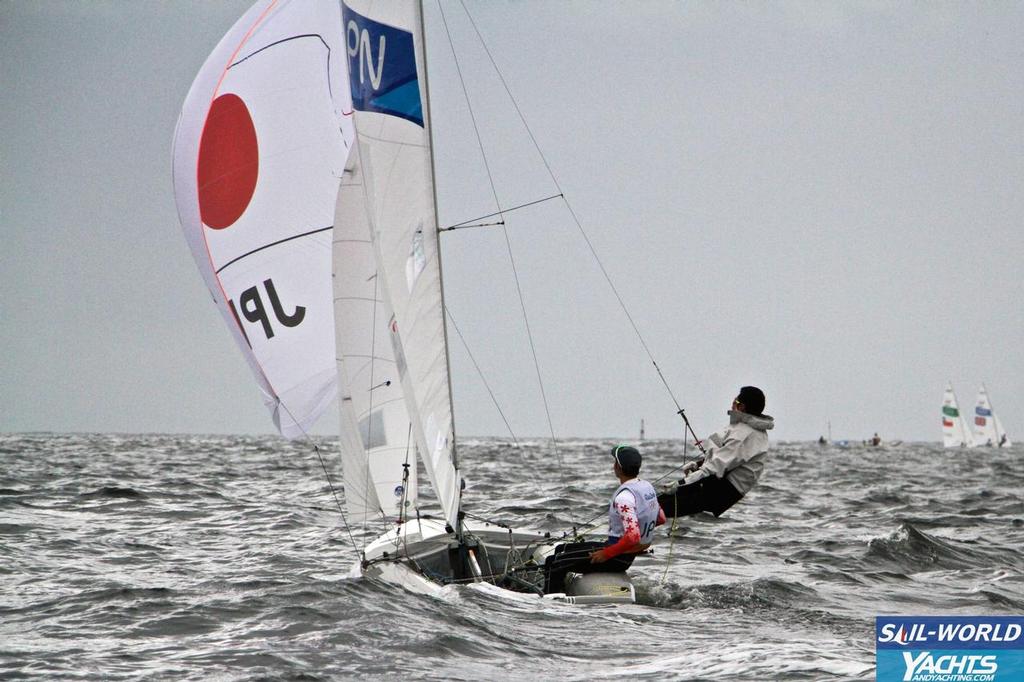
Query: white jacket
x: 737, y: 451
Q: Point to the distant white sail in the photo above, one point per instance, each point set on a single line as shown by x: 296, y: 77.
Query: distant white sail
x: 1002, y: 439
x: 377, y: 452
x: 386, y: 63
x: 954, y: 428
x: 987, y: 428
x: 258, y: 155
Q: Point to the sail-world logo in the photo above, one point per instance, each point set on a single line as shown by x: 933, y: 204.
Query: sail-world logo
x: 949, y: 648
x: 382, y: 67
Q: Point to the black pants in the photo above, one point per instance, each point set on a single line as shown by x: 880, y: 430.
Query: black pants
x: 575, y: 557
x: 709, y: 494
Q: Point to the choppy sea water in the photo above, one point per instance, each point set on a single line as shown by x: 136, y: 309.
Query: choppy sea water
x: 194, y: 558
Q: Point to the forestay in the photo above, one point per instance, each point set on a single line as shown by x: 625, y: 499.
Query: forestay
x: 259, y: 152
x: 393, y: 155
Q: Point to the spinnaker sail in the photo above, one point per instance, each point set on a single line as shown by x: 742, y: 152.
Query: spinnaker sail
x: 259, y: 151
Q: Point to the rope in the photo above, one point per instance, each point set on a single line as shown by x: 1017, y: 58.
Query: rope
x: 333, y: 491
x: 671, y: 536
x: 327, y: 475
x: 499, y: 524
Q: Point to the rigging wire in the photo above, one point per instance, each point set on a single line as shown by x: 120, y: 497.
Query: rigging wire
x: 508, y: 245
x: 482, y: 377
x: 502, y: 212
x: 579, y: 225
x: 534, y: 473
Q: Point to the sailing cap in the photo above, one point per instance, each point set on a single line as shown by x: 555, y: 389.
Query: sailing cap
x: 753, y: 400
x: 628, y: 458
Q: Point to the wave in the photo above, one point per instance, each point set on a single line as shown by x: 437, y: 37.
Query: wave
x: 758, y: 593
x: 912, y: 551
x: 114, y: 492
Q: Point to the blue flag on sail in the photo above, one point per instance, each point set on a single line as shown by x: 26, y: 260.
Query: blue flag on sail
x: 382, y: 68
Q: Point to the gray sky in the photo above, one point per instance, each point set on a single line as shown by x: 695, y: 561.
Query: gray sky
x: 822, y: 199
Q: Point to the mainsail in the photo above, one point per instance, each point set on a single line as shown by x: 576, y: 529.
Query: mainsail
x: 954, y: 428
x: 393, y: 158
x: 987, y: 428
x: 259, y: 151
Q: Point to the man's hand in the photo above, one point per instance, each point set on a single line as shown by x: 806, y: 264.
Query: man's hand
x: 690, y: 467
x: 598, y: 557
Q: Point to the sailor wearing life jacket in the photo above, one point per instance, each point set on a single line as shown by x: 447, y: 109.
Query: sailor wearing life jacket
x: 733, y: 463
x: 633, y: 514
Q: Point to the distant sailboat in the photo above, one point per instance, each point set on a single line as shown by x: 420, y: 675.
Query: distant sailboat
x: 955, y: 433
x: 988, y: 430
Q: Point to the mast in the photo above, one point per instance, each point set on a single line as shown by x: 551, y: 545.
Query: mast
x: 966, y: 439
x: 440, y: 270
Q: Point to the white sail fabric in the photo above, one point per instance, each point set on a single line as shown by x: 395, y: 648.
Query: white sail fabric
x: 954, y: 429
x: 1002, y: 440
x: 259, y: 151
x: 377, y: 443
x: 987, y: 428
x: 386, y: 71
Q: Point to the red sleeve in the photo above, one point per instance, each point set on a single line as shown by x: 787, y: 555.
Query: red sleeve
x: 661, y: 516
x: 627, y: 543
x: 631, y: 537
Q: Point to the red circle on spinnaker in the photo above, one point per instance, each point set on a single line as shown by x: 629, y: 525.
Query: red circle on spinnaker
x: 228, y: 162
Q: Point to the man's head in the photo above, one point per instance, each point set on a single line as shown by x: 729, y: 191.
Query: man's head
x: 750, y: 400
x: 627, y: 460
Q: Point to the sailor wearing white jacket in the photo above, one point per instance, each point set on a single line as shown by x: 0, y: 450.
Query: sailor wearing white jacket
x: 732, y: 466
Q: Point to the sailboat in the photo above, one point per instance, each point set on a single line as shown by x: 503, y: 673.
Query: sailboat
x: 305, y: 184
x: 955, y: 433
x: 988, y: 430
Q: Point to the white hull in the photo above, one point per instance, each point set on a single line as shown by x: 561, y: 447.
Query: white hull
x: 419, y: 555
